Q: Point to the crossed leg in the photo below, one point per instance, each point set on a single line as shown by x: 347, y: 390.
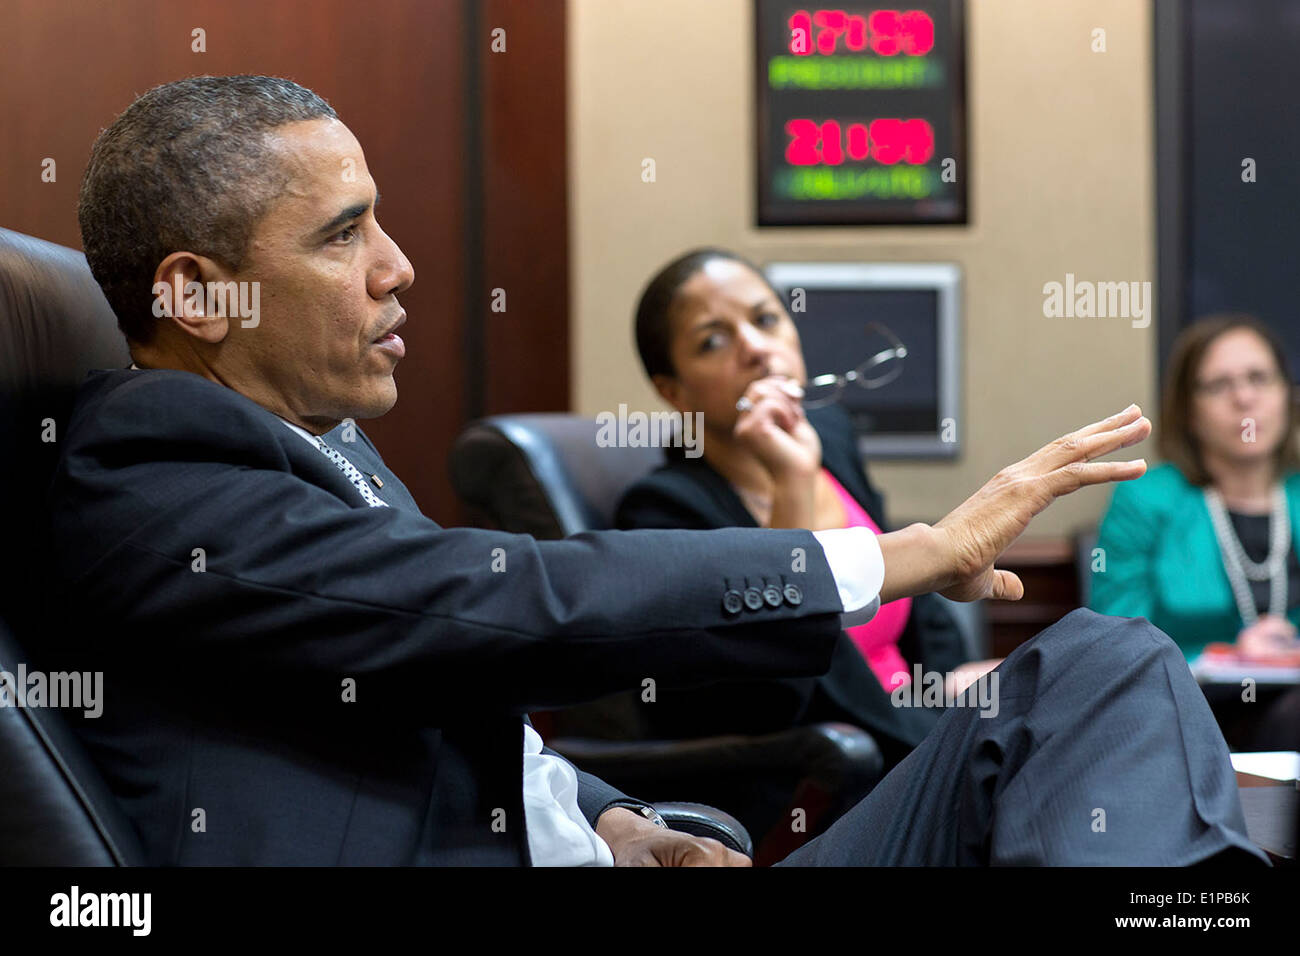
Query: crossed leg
x: 1102, y: 751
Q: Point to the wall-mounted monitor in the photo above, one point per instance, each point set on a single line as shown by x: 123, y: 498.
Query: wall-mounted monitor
x: 882, y: 340
x: 860, y: 113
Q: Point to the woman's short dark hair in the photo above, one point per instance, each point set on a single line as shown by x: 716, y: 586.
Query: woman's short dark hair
x: 654, y: 334
x: 1175, y: 439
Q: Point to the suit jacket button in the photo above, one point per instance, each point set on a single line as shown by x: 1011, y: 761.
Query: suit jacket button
x: 793, y: 596
x: 732, y: 602
x: 753, y: 598
x: 772, y: 595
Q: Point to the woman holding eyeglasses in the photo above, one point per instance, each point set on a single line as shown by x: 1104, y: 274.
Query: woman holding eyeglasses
x: 715, y: 338
x: 1204, y: 546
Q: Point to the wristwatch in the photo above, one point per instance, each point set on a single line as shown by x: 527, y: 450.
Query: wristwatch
x: 641, y: 809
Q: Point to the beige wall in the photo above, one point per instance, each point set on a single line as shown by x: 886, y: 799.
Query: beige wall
x: 1061, y: 166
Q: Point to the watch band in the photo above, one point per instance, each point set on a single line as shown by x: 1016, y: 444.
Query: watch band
x: 641, y: 809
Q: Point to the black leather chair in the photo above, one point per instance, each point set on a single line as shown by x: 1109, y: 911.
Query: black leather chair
x: 545, y: 475
x: 55, y: 326
x: 54, y: 808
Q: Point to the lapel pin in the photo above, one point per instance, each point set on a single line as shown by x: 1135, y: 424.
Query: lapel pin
x: 379, y: 482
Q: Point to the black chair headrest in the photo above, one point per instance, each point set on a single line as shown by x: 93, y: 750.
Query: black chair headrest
x: 544, y: 474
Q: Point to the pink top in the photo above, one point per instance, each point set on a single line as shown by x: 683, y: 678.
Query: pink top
x: 878, y: 638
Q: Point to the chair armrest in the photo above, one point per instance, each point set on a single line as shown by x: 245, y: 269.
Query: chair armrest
x: 701, y: 820
x: 818, y: 772
x: 833, y: 749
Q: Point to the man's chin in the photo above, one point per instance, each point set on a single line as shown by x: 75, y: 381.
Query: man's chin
x: 382, y: 404
x: 378, y: 400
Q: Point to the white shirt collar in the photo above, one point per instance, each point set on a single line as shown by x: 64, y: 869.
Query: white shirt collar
x: 298, y: 428
x: 301, y: 431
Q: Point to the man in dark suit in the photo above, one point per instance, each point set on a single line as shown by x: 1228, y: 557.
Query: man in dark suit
x: 302, y: 668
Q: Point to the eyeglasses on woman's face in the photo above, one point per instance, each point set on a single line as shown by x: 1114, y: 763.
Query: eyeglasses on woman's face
x: 1258, y: 379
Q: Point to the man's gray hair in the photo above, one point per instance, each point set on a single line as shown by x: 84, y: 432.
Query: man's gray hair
x: 188, y: 166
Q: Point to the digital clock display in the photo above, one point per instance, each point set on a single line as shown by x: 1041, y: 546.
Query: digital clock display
x: 861, y: 114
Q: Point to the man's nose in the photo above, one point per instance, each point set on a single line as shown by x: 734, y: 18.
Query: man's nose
x: 394, y: 272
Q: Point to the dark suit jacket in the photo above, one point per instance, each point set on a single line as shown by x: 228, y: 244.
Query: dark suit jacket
x: 688, y: 493
x: 225, y: 731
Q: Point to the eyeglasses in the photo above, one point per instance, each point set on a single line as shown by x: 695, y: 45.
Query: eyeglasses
x: 1256, y: 378
x: 879, y: 370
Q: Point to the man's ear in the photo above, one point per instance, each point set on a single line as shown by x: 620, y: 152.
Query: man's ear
x: 180, y: 295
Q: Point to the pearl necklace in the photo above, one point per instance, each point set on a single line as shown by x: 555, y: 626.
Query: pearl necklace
x: 1240, y: 567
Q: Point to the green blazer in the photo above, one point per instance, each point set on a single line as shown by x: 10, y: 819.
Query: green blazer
x: 1161, y: 560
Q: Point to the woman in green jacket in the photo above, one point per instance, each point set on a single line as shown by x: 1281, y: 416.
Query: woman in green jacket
x: 1204, y: 546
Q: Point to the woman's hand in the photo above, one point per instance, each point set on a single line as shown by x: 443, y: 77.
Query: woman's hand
x: 955, y: 557
x: 776, y: 430
x: 1269, y: 636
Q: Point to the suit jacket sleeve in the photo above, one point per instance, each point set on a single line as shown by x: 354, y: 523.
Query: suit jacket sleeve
x: 194, y: 526
x: 682, y: 497
x: 693, y: 496
x: 595, y: 796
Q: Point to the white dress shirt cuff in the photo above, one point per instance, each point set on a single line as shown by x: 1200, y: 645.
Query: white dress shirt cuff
x: 858, y: 568
x: 558, y: 833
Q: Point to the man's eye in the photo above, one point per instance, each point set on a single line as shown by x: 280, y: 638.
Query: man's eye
x: 768, y: 319
x: 347, y: 234
x: 711, y: 342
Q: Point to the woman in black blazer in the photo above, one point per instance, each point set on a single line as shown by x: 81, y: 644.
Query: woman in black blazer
x: 715, y: 338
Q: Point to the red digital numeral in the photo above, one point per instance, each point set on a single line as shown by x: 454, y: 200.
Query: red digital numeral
x: 884, y: 32
x: 856, y: 38
x: 885, y: 28
x: 802, y: 151
x: 894, y: 139
x: 917, y: 33
x: 887, y: 141
x: 832, y: 150
x: 859, y: 145
x: 832, y: 23
x: 801, y: 33
x: 910, y: 33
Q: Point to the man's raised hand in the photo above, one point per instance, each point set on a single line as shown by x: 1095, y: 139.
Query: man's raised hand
x: 955, y: 557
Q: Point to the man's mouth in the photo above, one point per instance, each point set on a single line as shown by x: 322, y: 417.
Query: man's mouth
x: 392, y: 329
x: 390, y: 341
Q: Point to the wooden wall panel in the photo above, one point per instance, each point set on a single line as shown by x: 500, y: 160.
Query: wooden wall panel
x: 525, y: 218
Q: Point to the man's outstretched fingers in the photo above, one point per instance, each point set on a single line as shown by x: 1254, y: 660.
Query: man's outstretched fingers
x: 1118, y: 420
x: 1105, y: 442
x: 1076, y: 447
x: 1075, y: 475
x: 1109, y: 423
